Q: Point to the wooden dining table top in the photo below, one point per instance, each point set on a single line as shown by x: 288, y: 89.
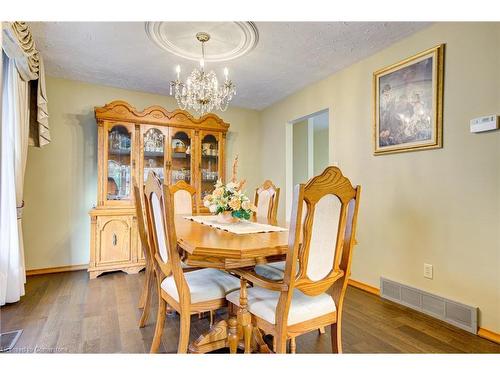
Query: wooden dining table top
x: 204, y: 245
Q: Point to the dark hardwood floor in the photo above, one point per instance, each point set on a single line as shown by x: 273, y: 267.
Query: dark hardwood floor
x: 69, y: 313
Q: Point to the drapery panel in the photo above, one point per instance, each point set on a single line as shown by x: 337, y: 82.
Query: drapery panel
x: 14, y: 144
x: 23, y: 91
x: 20, y: 47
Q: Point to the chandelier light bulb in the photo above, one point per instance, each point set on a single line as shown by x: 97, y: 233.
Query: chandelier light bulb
x: 178, y: 70
x: 226, y: 73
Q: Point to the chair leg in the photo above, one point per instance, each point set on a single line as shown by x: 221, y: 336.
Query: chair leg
x: 293, y: 345
x: 144, y: 294
x: 321, y: 330
x: 185, y: 326
x: 160, y: 322
x: 149, y: 283
x: 336, y: 337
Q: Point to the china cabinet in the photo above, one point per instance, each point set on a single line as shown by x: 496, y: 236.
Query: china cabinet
x: 175, y: 145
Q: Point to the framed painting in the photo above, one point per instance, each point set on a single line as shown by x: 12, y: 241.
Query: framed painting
x: 408, y: 104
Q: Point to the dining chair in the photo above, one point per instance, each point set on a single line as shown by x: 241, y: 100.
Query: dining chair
x: 267, y: 207
x: 266, y: 200
x: 188, y: 293
x: 145, y: 299
x: 317, y: 268
x: 184, y: 198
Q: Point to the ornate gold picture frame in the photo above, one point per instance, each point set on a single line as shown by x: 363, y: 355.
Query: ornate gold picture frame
x: 408, y: 104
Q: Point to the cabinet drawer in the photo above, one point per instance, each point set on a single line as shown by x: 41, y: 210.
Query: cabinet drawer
x: 114, y: 236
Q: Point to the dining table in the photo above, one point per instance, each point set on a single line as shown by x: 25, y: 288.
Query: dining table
x: 230, y: 250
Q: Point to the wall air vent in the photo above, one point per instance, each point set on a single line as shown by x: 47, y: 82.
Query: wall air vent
x: 455, y: 313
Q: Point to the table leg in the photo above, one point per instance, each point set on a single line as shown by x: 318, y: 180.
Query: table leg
x: 216, y: 338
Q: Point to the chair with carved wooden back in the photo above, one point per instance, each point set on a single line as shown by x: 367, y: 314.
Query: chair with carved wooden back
x: 184, y: 201
x: 145, y: 300
x: 311, y: 294
x: 266, y: 200
x: 187, y: 293
x: 184, y: 198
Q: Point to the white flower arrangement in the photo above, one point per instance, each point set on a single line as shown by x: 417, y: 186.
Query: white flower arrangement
x: 230, y: 198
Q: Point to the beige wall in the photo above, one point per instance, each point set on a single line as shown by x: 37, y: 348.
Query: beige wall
x: 439, y: 206
x: 61, y: 178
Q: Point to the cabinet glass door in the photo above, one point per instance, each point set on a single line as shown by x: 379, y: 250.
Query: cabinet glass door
x: 119, y: 163
x: 210, y: 166
x: 154, y: 153
x: 181, y: 155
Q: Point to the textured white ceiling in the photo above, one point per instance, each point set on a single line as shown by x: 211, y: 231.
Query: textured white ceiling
x: 289, y: 55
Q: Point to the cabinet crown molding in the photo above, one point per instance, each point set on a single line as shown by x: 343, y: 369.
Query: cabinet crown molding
x: 120, y: 110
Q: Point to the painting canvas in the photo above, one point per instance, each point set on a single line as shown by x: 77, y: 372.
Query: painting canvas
x: 408, y: 100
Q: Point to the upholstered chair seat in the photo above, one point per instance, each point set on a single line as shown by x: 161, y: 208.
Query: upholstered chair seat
x: 272, y: 271
x: 204, y: 285
x: 263, y: 302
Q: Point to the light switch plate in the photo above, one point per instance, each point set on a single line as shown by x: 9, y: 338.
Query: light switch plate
x: 428, y: 271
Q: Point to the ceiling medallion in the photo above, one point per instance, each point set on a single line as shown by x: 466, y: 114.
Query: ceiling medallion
x: 229, y: 40
x: 202, y: 91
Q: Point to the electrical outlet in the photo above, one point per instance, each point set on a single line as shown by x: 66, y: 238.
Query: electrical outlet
x: 428, y: 271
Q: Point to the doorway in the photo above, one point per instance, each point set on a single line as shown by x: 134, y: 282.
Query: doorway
x: 308, y: 150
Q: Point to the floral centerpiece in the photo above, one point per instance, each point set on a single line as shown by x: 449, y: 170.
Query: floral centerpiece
x: 228, y: 201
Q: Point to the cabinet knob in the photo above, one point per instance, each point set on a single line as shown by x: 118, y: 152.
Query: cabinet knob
x: 115, y: 240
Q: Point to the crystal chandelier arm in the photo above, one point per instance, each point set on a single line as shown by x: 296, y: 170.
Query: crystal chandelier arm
x: 201, y: 91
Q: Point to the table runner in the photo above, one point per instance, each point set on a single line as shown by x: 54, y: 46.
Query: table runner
x: 241, y: 227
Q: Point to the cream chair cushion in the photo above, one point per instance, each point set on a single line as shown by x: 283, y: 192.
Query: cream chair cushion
x: 271, y: 271
x: 205, y: 285
x: 262, y: 303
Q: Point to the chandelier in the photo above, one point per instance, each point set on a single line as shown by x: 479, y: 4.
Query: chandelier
x: 202, y: 91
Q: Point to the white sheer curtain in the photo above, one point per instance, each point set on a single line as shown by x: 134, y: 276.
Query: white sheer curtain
x: 14, y: 149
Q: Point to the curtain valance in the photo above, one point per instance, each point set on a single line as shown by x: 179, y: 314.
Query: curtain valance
x: 18, y: 45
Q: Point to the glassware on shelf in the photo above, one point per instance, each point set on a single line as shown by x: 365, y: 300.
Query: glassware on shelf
x: 119, y: 168
x: 118, y: 181
x: 182, y: 174
x: 208, y: 175
x: 119, y: 140
x: 153, y: 141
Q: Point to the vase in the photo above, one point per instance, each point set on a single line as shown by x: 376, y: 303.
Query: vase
x: 226, y: 217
